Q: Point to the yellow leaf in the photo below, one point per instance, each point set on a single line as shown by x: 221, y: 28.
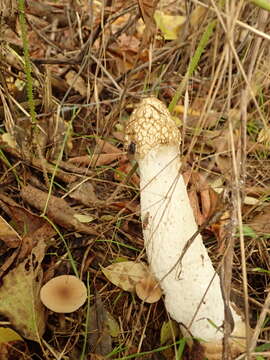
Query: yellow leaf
x: 9, y: 139
x: 264, y: 136
x: 169, y: 331
x: 7, y: 335
x: 197, y: 15
x: 83, y: 218
x: 169, y: 25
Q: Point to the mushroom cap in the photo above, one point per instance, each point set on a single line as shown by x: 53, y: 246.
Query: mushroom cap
x: 148, y: 289
x: 150, y: 125
x: 63, y: 294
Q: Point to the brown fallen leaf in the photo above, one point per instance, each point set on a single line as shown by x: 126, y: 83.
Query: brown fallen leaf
x: 83, y: 191
x: 133, y: 206
x: 126, y: 274
x: 60, y: 174
x: 148, y: 289
x: 194, y: 202
x: 44, y: 233
x: 73, y: 169
x: 30, y: 227
x: 96, y: 357
x: 220, y: 229
x: 8, y: 235
x: 105, y: 147
x: 260, y: 223
x: 147, y: 10
x: 48, y: 12
x: 41, y: 164
x: 104, y: 154
x: 202, y: 197
x: 209, y: 201
x: 76, y: 82
x: 125, y: 169
x: 58, y: 133
x: 24, y: 220
x: 96, y: 159
x: 57, y: 210
x: 100, y: 341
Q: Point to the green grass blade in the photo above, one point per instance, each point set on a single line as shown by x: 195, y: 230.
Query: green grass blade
x: 193, y: 63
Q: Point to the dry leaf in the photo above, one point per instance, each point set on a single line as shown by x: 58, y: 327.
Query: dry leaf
x: 147, y: 10
x: 24, y: 220
x: 7, y: 335
x: 44, y: 233
x: 197, y: 15
x: 100, y: 341
x: 260, y: 223
x: 76, y: 82
x: 169, y: 25
x: 105, y: 147
x: 59, y: 131
x: 9, y: 139
x: 97, y: 159
x: 19, y: 296
x: 31, y: 227
x: 113, y: 326
x: 124, y: 170
x: 264, y: 136
x: 58, y: 209
x: 194, y: 202
x: 12, y: 345
x: 128, y: 43
x: 220, y: 229
x: 250, y: 200
x: 169, y: 331
x: 126, y: 274
x: 83, y: 218
x: 133, y: 206
x: 8, y: 235
x: 203, y: 198
x: 83, y: 192
x: 148, y: 289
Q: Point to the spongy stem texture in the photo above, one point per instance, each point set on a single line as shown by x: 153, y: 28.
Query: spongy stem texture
x: 168, y: 223
x: 191, y: 286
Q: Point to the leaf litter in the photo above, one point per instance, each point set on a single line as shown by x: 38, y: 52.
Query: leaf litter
x: 19, y: 296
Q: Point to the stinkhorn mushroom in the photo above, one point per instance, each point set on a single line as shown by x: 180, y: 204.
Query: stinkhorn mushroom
x: 192, y: 288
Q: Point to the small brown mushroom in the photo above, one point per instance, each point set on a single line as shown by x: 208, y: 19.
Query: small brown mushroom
x: 63, y: 294
x: 148, y: 289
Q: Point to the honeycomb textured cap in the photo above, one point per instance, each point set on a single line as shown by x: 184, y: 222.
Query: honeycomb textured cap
x: 150, y: 125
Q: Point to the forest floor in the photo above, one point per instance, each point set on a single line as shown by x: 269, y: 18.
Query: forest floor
x: 71, y: 73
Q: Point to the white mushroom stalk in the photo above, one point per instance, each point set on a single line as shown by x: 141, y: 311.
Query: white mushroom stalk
x: 192, y: 289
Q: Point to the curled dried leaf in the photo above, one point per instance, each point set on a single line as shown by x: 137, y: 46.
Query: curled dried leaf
x: 126, y: 274
x: 148, y: 289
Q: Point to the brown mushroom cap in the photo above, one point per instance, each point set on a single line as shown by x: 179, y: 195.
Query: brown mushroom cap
x: 63, y: 294
x: 148, y: 289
